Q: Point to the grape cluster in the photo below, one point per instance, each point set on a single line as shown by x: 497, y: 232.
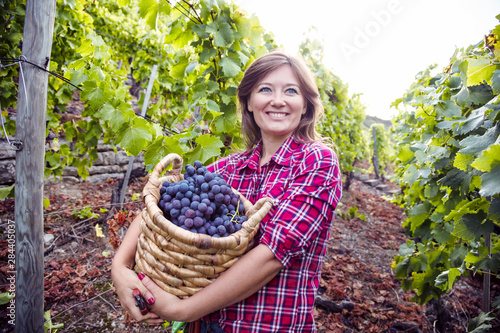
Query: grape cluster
x: 202, y: 203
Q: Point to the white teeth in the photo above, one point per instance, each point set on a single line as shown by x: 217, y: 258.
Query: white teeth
x: 277, y: 115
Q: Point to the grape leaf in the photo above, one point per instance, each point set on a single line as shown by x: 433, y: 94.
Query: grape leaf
x: 448, y: 278
x: 230, y: 67
x: 494, y: 210
x: 94, y: 94
x: 160, y: 148
x: 227, y: 123
x: 487, y: 158
x: 475, y: 120
x: 134, y: 136
x: 116, y: 116
x: 462, y: 161
x: 477, y: 143
x: 480, y: 94
x: 491, y: 182
x: 7, y: 192
x: 223, y: 35
x: 473, y: 226
x: 178, y: 70
x: 479, y: 71
x: 212, y: 106
x: 495, y: 82
x: 208, y: 146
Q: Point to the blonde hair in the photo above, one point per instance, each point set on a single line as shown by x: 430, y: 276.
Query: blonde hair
x: 306, y: 130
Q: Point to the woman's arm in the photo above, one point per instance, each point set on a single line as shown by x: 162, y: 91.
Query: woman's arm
x: 247, y: 275
x: 124, y: 278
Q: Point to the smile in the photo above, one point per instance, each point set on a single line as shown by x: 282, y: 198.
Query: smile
x: 277, y: 114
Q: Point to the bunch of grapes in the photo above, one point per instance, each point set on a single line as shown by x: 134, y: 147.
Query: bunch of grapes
x: 202, y: 203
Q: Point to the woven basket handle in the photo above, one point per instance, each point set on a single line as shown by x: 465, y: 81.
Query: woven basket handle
x: 173, y: 159
x: 153, y: 185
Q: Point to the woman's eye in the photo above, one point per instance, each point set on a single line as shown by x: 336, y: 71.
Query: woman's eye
x: 291, y: 91
x: 264, y: 89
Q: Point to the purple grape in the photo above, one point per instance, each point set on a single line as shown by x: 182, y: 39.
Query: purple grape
x: 216, y: 189
x: 189, y: 223
x: 209, y: 176
x: 219, y: 197
x: 218, y: 221
x: 198, y: 222
x: 184, y: 187
x: 190, y: 213
x: 175, y: 212
x: 212, y: 230
x: 202, y: 207
x: 221, y: 230
x: 201, y: 230
x: 185, y: 202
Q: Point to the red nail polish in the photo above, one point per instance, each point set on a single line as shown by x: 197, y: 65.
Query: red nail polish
x: 151, y: 300
x: 141, y: 276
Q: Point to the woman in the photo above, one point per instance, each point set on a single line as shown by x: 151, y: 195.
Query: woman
x: 272, y: 287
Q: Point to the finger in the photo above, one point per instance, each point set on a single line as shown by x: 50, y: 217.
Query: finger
x: 150, y: 289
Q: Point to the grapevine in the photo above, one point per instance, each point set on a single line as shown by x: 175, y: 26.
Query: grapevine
x: 448, y: 148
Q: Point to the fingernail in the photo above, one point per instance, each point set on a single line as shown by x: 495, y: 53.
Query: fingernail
x: 141, y: 276
x: 151, y: 300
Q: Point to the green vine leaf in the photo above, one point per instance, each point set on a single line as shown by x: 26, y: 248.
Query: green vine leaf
x: 208, y: 146
x: 230, y: 67
x: 134, y: 136
x: 491, y: 182
x: 479, y: 71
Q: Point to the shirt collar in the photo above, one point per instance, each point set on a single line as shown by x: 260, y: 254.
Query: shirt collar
x: 282, y: 157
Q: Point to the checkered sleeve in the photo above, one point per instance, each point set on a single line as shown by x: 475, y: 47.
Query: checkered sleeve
x: 306, y: 208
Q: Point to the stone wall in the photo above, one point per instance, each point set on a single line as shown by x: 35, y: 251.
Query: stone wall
x: 108, y: 165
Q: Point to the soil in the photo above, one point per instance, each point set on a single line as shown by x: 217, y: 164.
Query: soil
x: 356, y: 276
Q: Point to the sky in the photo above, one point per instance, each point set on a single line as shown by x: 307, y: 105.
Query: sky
x: 378, y: 46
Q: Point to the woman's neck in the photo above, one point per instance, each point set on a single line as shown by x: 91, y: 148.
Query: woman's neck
x: 269, y: 148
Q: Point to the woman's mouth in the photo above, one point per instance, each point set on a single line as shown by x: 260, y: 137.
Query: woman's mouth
x: 277, y: 114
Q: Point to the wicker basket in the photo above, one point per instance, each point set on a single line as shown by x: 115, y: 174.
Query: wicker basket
x: 179, y: 261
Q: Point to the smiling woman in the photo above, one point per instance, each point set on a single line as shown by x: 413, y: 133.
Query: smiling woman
x: 272, y: 287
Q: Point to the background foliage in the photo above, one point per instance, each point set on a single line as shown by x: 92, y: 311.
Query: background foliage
x: 201, y: 48
x: 448, y: 152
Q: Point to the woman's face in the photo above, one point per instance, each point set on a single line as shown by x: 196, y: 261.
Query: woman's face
x: 277, y: 104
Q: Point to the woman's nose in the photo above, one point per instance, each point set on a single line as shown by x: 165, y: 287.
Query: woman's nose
x: 278, y: 100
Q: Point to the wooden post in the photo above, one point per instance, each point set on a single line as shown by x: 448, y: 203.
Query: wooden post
x: 143, y: 113
x: 375, y: 154
x: 30, y: 131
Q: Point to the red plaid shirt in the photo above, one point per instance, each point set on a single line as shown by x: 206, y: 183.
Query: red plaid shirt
x: 304, y: 179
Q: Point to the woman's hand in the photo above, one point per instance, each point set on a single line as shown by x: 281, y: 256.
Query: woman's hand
x: 165, y: 305
x: 125, y: 281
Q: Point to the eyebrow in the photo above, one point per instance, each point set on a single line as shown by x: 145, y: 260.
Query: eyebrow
x: 287, y: 85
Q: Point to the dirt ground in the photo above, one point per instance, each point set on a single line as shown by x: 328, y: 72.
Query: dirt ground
x: 356, y: 274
